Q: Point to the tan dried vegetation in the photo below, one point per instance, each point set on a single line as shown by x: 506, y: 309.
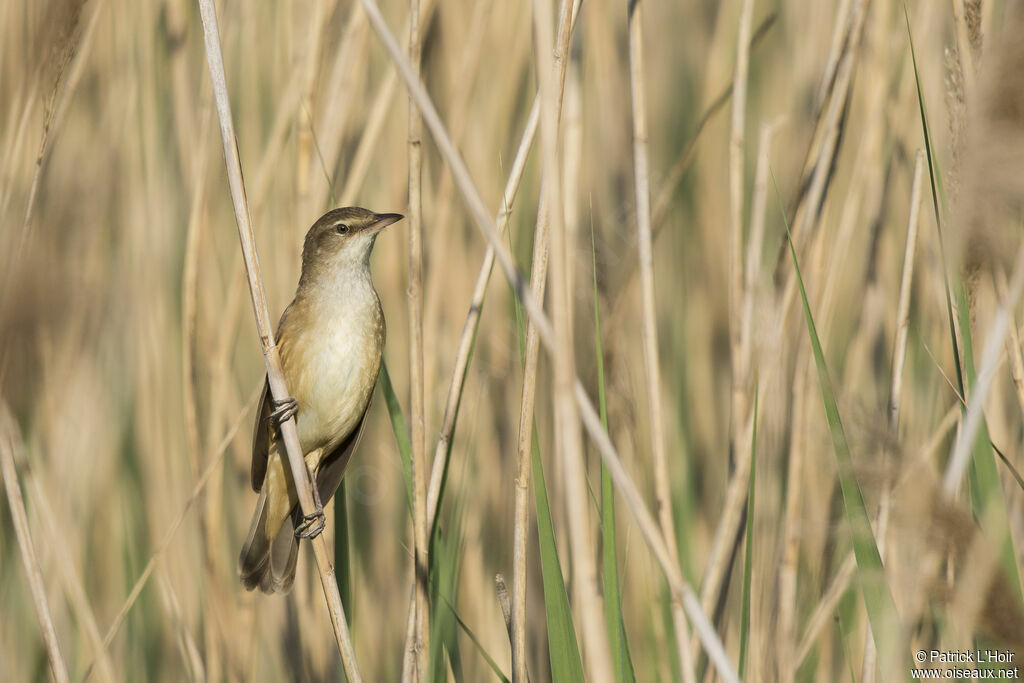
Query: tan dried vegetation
x: 128, y: 363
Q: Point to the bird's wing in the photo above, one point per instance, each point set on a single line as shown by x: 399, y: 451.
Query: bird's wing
x: 261, y: 431
x: 332, y: 467
x: 261, y: 440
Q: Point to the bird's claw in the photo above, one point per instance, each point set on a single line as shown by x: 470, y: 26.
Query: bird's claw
x: 282, y: 410
x: 311, y: 525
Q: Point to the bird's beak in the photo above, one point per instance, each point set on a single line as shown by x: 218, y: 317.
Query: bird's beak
x: 382, y: 221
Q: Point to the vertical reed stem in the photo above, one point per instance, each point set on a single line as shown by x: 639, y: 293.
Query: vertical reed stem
x: 569, y: 446
x: 662, y: 483
x: 419, y: 459
x: 9, y: 440
x: 275, y: 376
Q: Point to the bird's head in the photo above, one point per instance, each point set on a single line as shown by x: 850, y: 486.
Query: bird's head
x: 344, y: 237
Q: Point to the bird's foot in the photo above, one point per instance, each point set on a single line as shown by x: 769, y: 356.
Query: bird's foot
x: 282, y: 410
x: 313, y: 524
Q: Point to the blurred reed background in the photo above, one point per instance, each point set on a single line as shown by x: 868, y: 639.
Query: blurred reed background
x: 128, y: 363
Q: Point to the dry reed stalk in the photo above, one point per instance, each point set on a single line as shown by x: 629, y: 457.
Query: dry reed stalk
x: 685, y: 157
x: 740, y: 347
x: 460, y: 173
x: 472, y: 323
x: 369, y: 135
x: 186, y: 643
x: 409, y: 652
x: 189, y: 308
x: 649, y: 333
x: 69, y: 71
x: 987, y: 366
x: 758, y: 205
x: 591, y: 420
x: 338, y: 100
x: 751, y: 276
x: 56, y: 107
x: 374, y: 125
x: 792, y: 521
x: 1013, y: 347
x: 906, y: 285
x: 666, y: 193
x: 820, y: 157
x: 74, y: 589
x: 538, y: 282
x: 501, y: 588
x: 736, y: 163
x: 896, y: 385
x: 165, y: 542
x: 459, y: 106
x: 586, y: 588
x: 10, y: 441
x: 290, y: 99
x: 306, y: 54
x: 963, y: 50
x: 649, y: 530
x: 835, y: 49
x: 275, y: 376
x: 182, y: 89
x: 190, y: 382
x: 415, y: 301
x: 13, y: 149
x: 824, y: 611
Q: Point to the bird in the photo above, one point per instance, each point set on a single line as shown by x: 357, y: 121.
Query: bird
x: 331, y: 339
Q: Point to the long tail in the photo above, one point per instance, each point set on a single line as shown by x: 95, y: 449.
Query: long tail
x: 268, y: 563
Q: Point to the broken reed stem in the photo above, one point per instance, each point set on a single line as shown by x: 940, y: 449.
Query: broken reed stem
x: 275, y: 376
x: 9, y: 441
x: 899, y: 356
x: 649, y: 334
x: 504, y: 603
x: 419, y: 438
x: 634, y: 501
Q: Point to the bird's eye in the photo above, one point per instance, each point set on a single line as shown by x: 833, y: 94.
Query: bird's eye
x: 342, y: 229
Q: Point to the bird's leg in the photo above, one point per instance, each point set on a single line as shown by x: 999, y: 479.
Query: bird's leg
x: 313, y: 524
x: 282, y: 410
